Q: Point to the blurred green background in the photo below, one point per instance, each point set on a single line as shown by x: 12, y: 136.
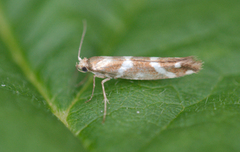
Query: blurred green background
x: 42, y: 109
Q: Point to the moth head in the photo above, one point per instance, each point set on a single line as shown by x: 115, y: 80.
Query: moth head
x: 82, y: 65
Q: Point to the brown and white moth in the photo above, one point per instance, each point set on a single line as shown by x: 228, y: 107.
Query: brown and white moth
x: 134, y: 68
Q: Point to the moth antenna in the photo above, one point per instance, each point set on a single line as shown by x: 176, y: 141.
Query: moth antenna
x: 83, y: 34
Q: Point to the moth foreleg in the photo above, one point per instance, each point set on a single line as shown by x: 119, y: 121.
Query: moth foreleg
x: 92, y: 89
x: 83, y: 80
x: 105, y: 98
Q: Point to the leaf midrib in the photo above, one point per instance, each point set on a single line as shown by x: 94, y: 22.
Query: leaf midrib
x: 18, y: 57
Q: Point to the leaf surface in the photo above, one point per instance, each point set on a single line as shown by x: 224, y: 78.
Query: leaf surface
x: 39, y: 43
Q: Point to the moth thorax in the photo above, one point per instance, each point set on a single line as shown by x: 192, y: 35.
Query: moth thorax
x: 82, y: 66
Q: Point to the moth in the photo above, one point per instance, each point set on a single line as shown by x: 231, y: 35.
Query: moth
x: 134, y: 68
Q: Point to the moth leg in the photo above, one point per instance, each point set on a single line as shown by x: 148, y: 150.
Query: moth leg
x: 92, y: 90
x: 105, y: 98
x: 83, y: 80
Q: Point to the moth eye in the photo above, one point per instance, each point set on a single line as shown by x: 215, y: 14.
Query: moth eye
x: 84, y: 69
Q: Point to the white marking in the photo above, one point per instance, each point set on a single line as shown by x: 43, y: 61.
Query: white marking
x: 103, y: 63
x: 158, y: 67
x: 127, y: 64
x: 138, y: 112
x: 170, y: 75
x: 161, y: 70
x: 177, y: 65
x: 154, y: 58
x: 3, y: 85
x: 189, y: 72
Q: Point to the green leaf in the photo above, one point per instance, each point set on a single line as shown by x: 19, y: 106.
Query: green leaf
x: 38, y: 78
